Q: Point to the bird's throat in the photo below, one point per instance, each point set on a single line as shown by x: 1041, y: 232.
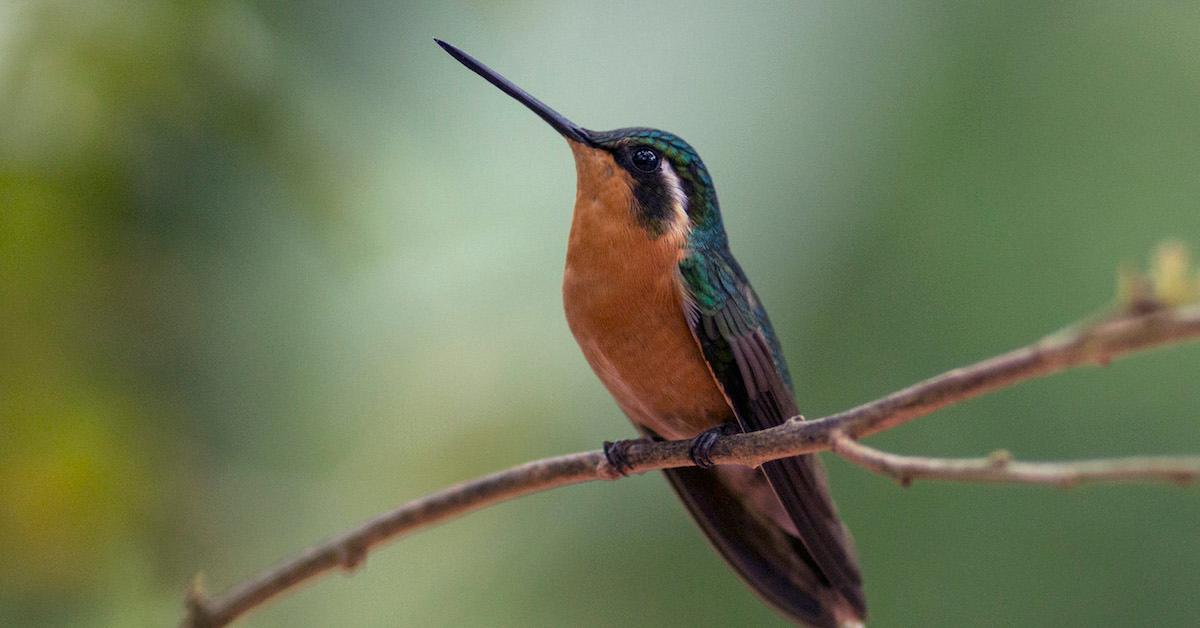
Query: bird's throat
x: 609, y: 251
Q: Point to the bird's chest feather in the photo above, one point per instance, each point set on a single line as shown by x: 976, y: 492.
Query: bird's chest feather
x: 624, y: 305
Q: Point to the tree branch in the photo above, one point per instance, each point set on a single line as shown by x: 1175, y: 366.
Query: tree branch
x: 999, y: 467
x: 1097, y: 344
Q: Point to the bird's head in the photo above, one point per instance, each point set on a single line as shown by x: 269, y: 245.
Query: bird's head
x: 669, y: 189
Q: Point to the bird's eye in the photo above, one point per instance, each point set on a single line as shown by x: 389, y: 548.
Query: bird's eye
x: 645, y: 159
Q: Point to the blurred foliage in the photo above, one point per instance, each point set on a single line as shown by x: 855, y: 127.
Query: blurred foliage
x: 267, y: 268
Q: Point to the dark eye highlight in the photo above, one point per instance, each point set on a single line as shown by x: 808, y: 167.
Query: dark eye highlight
x: 644, y: 159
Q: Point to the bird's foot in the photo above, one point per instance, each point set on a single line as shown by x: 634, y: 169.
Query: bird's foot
x: 702, y: 445
x: 616, y: 453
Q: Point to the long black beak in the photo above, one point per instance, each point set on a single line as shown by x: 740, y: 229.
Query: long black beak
x: 569, y: 129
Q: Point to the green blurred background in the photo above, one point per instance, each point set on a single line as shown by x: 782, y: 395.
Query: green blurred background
x: 269, y: 268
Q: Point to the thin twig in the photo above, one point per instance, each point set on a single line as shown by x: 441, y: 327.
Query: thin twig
x: 1095, y: 344
x: 999, y: 467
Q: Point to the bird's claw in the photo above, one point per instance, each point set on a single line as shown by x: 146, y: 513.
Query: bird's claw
x: 616, y: 453
x: 701, y: 450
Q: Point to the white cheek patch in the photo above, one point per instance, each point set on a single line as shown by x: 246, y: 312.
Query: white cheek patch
x: 679, y: 219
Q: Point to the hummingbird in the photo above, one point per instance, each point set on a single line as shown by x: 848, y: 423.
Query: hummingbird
x: 668, y: 321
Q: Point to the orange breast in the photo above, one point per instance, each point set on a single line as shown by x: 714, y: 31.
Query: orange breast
x: 624, y: 306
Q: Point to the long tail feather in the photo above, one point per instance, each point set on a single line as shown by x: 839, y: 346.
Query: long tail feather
x: 727, y: 504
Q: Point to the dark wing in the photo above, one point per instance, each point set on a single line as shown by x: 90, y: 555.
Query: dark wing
x: 737, y: 341
x: 772, y: 561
